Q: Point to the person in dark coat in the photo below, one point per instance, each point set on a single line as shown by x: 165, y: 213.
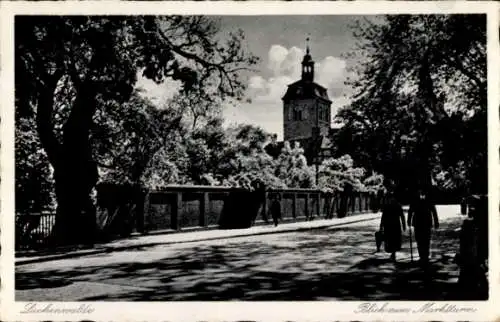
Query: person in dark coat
x: 473, y: 254
x: 276, y: 208
x: 422, y: 215
x: 392, y: 221
x: 463, y: 206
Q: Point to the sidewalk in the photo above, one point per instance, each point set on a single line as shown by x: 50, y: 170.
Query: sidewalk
x: 197, y: 236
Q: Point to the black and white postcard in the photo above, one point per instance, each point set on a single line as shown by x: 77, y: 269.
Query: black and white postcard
x: 253, y: 161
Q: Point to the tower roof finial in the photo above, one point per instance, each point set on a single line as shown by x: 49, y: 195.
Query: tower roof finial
x: 307, y: 45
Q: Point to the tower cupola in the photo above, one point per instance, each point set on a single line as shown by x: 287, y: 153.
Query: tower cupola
x: 307, y: 65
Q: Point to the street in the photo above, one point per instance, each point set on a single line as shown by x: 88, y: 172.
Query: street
x: 335, y: 263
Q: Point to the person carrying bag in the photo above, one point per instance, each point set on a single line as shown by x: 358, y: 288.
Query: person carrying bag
x: 392, y: 224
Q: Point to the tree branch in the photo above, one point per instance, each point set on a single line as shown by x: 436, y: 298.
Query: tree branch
x: 455, y: 63
x: 224, y: 74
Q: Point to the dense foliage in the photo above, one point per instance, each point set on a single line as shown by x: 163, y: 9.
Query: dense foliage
x: 33, y: 175
x: 153, y: 147
x: 341, y: 174
x: 292, y: 168
x: 74, y: 72
x: 419, y: 110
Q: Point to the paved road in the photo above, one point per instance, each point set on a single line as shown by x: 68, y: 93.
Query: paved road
x: 337, y: 263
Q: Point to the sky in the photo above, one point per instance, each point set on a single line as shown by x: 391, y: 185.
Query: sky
x: 279, y: 42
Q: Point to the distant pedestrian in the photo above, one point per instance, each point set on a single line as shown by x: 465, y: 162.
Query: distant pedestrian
x: 422, y: 215
x: 463, y: 206
x: 276, y: 208
x: 392, y: 221
x: 473, y: 255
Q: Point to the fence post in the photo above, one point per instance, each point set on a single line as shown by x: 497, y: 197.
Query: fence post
x: 364, y: 202
x: 328, y: 206
x: 324, y: 209
x: 307, y: 206
x: 264, y: 207
x: 318, y: 202
x: 294, y: 205
x: 333, y: 205
x: 371, y: 203
x: 204, y: 207
x: 140, y: 210
x: 177, y: 207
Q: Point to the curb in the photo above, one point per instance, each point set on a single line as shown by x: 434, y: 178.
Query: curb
x: 104, y: 249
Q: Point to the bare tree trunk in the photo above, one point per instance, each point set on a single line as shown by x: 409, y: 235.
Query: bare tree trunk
x: 430, y: 111
x: 75, y: 172
x: 75, y: 215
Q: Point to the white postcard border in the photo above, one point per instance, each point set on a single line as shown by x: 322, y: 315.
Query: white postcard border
x: 228, y: 311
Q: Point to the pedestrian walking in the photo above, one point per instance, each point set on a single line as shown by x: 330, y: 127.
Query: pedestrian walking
x: 392, y: 221
x: 463, y: 206
x: 276, y: 208
x: 473, y: 254
x: 422, y: 215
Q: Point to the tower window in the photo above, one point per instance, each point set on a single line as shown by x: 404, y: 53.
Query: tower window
x: 323, y: 114
x: 297, y: 115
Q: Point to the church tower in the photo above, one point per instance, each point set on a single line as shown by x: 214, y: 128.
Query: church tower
x: 306, y: 106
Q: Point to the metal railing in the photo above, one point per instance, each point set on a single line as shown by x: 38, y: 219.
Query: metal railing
x: 33, y: 230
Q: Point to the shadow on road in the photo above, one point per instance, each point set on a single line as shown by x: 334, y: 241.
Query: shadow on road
x: 320, y: 264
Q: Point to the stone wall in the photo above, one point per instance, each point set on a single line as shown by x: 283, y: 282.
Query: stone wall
x: 188, y: 207
x: 123, y: 210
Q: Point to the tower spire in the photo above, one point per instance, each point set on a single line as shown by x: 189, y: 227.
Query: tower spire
x: 308, y: 64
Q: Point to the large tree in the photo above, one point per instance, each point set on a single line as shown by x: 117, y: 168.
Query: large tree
x: 130, y: 137
x: 418, y: 75
x: 341, y: 174
x: 292, y: 168
x: 244, y: 162
x: 68, y: 68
